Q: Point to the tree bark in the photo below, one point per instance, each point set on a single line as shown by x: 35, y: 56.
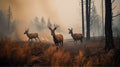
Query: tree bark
x: 87, y: 20
x: 82, y: 5
x: 9, y: 17
x: 108, y: 26
x: 102, y: 25
x: 89, y: 17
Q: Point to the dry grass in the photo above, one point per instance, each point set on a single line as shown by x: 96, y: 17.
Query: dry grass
x: 79, y: 59
x: 61, y: 58
x: 35, y: 54
x: 13, y: 53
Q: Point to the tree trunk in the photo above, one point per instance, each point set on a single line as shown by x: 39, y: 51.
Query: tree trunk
x: 9, y: 15
x: 108, y: 25
x: 87, y: 20
x: 102, y: 25
x: 89, y: 17
x: 82, y: 5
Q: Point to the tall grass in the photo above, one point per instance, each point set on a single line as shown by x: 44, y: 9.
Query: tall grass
x: 13, y: 54
x: 35, y: 54
x: 61, y: 58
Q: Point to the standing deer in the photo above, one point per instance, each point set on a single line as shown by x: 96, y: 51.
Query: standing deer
x: 31, y: 35
x: 57, y: 38
x: 76, y: 36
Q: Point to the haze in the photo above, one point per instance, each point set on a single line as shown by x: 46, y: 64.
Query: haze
x: 66, y: 13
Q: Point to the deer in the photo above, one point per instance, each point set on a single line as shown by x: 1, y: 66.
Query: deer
x: 76, y: 36
x: 57, y: 38
x: 31, y: 35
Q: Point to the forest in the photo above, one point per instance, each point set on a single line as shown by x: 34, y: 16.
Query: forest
x: 46, y: 39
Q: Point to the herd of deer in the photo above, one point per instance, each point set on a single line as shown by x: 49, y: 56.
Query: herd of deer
x: 57, y: 38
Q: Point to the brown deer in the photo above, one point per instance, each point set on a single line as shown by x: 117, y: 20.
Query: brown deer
x: 76, y: 36
x: 31, y: 35
x: 57, y: 38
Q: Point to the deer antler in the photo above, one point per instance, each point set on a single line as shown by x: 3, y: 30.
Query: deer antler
x: 28, y: 29
x: 68, y: 28
x: 50, y: 27
x: 55, y: 27
x: 25, y: 29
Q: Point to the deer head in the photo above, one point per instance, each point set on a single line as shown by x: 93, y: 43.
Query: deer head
x: 70, y: 30
x: 53, y: 30
x: 26, y: 31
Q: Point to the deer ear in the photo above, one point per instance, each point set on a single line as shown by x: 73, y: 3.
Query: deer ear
x: 68, y: 28
x: 25, y: 28
x: 55, y: 27
x: 28, y: 29
x: 49, y: 28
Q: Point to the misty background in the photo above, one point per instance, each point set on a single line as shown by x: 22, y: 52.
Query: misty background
x: 36, y: 14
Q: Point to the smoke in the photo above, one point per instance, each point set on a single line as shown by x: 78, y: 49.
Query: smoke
x: 7, y: 27
x: 116, y: 25
x: 40, y: 26
x: 28, y: 14
x: 95, y: 24
x: 14, y: 29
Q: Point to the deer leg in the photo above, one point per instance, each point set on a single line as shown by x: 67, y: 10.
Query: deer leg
x: 62, y: 43
x: 35, y: 39
x: 28, y: 40
x: 38, y: 39
x: 58, y: 45
x: 55, y: 44
x: 75, y: 41
x: 32, y: 40
x: 81, y: 40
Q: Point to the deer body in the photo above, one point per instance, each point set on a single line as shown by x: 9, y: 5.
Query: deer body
x: 57, y: 38
x: 76, y: 36
x: 31, y: 35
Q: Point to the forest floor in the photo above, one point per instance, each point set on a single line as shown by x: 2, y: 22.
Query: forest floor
x: 88, y: 53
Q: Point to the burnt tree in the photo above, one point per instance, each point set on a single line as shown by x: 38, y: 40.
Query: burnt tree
x: 82, y: 6
x: 88, y: 8
x: 108, y: 26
